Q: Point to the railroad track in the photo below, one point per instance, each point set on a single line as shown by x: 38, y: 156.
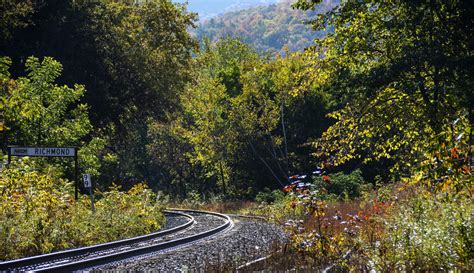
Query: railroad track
x: 199, y: 225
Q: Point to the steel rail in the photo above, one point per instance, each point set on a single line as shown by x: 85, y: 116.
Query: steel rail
x: 108, y: 258
x: 45, y: 258
x: 104, y: 259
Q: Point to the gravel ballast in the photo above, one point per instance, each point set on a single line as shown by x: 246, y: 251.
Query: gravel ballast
x: 174, y: 220
x: 248, y: 240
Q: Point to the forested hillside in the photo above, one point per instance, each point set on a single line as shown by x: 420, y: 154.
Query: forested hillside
x: 269, y: 29
x: 211, y: 8
x: 360, y: 148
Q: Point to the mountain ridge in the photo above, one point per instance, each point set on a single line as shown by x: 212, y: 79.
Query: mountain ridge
x: 269, y: 29
x: 213, y: 8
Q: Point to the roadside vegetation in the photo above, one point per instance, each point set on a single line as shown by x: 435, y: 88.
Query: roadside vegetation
x: 38, y: 213
x: 360, y: 146
x: 390, y: 229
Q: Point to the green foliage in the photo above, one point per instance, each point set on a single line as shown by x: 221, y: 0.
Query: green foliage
x: 38, y: 213
x: 193, y: 198
x: 133, y: 59
x: 145, y: 53
x: 425, y: 234
x: 238, y: 112
x: 268, y: 197
x: 134, y: 212
x: 37, y: 111
x: 168, y: 149
x: 15, y: 15
x: 134, y: 44
x: 394, y: 72
x: 209, y: 122
x: 447, y: 166
x: 341, y: 184
x: 400, y: 74
x: 276, y: 207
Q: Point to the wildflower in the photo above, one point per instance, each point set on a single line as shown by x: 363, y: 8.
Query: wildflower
x: 293, y: 177
x: 327, y: 179
x: 349, y: 232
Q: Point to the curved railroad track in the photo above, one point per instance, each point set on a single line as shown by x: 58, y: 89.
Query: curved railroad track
x: 199, y: 225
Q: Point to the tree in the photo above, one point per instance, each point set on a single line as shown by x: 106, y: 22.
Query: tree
x: 15, y: 15
x: 279, y: 120
x: 401, y: 73
x: 207, y: 105
x: 36, y: 111
x: 144, y: 58
x: 244, y: 126
x: 133, y: 58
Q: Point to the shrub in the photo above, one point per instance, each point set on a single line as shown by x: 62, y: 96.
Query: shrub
x: 324, y: 231
x: 341, y: 184
x: 425, y: 234
x: 269, y: 197
x: 38, y: 214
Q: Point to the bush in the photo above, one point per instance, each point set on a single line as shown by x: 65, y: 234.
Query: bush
x: 38, y: 214
x: 269, y: 197
x: 425, y: 234
x: 341, y: 184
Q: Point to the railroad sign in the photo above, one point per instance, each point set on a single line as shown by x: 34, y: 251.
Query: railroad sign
x: 88, y: 185
x: 47, y: 152
x: 87, y: 180
x: 43, y: 151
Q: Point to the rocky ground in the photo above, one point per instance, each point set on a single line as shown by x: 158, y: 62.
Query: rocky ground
x: 248, y: 240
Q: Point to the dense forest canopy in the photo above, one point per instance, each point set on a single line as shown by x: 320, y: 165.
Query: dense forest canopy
x: 406, y: 66
x: 119, y: 52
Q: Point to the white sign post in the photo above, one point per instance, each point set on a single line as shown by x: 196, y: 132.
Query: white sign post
x: 87, y: 180
x: 88, y: 185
